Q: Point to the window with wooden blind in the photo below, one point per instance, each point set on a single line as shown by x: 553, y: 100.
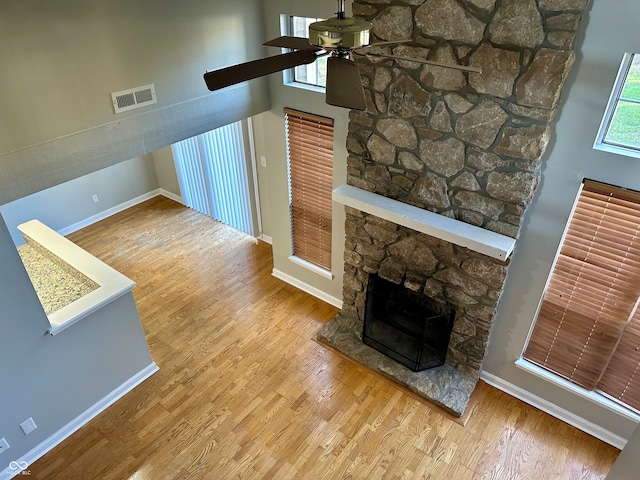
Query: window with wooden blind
x: 588, y: 325
x: 310, y: 154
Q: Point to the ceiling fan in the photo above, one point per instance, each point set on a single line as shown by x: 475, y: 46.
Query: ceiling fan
x: 337, y: 37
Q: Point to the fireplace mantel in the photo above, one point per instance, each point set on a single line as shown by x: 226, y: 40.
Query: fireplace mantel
x: 478, y: 239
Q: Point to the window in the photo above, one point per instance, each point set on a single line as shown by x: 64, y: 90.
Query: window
x: 588, y: 325
x: 310, y: 155
x: 310, y: 75
x: 620, y: 128
x: 215, y: 175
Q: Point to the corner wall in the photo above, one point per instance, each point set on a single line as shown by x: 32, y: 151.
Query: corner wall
x: 611, y: 30
x: 55, y: 379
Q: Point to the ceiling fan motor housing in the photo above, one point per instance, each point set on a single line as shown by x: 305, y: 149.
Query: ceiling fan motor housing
x: 340, y: 33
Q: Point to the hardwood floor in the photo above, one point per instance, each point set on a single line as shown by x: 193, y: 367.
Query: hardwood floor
x: 243, y: 391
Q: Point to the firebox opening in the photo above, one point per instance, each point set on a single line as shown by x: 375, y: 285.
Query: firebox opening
x: 407, y: 326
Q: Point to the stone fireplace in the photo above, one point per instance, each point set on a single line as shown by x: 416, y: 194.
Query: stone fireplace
x: 407, y: 326
x: 465, y: 280
x: 463, y: 146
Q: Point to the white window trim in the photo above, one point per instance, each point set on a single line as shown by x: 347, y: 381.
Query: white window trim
x: 600, y: 143
x: 288, y: 81
x: 287, y: 75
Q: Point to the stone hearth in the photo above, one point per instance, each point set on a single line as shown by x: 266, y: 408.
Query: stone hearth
x: 463, y: 145
x: 444, y: 386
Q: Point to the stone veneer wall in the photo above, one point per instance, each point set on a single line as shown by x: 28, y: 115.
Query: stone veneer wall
x: 464, y: 145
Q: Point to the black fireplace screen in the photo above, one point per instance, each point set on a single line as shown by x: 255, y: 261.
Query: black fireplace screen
x: 407, y: 326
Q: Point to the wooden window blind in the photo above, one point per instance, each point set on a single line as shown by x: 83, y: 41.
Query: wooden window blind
x: 588, y: 325
x: 310, y: 153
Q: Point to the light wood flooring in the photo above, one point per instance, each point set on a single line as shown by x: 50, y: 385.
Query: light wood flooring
x: 243, y: 391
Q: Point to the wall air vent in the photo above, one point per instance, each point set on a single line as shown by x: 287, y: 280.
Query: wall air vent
x: 133, y: 98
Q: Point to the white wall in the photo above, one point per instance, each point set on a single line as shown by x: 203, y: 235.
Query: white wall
x: 166, y: 171
x: 270, y: 142
x: 627, y: 465
x: 611, y: 30
x: 262, y: 174
x: 71, y: 203
x: 67, y: 56
x: 55, y: 379
x: 61, y: 60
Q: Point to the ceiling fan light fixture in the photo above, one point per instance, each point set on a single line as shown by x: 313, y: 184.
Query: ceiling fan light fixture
x: 342, y: 33
x: 339, y: 37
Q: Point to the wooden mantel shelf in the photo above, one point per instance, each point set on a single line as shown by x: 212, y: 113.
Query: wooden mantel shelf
x: 484, y: 241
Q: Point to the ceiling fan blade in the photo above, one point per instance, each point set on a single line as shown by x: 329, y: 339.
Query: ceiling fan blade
x: 225, y: 77
x: 383, y: 44
x: 295, y: 43
x: 454, y: 66
x: 344, y: 86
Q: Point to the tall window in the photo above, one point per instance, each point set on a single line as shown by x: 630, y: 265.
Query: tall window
x: 620, y: 128
x: 588, y: 325
x: 315, y: 73
x: 310, y: 154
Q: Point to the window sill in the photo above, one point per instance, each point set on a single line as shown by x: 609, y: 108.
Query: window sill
x: 310, y: 266
x: 304, y: 86
x: 609, y: 148
x: 594, y: 397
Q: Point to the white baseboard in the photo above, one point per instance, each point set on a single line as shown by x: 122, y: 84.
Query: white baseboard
x: 305, y: 287
x: 119, y: 208
x: 555, y: 411
x: 39, y: 450
x: 108, y: 212
x: 266, y: 239
x: 170, y: 195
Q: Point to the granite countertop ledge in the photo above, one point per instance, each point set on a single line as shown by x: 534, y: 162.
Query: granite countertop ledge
x: 70, y: 282
x: 57, y: 283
